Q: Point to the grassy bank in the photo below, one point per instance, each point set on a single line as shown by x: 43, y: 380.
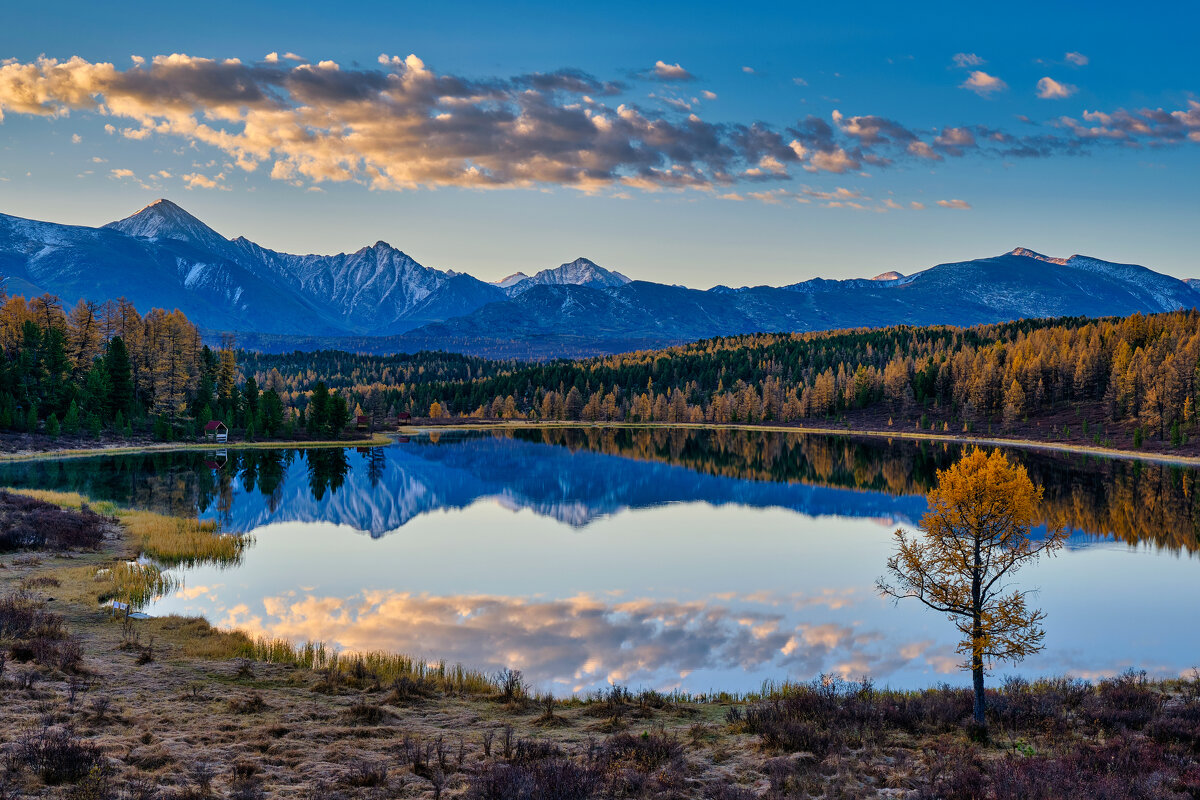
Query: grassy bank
x: 376, y: 440
x: 172, y: 707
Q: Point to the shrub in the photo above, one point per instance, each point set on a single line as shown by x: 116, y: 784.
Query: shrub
x: 556, y: 778
x: 32, y: 523
x: 251, y: 704
x: 645, y: 752
x: 366, y: 774
x: 823, y: 715
x: 365, y: 714
x: 1123, y: 768
x: 512, y: 685
x: 23, y: 617
x: 58, y: 755
x: 1124, y: 702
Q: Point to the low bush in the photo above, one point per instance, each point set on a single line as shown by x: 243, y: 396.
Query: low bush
x: 365, y: 714
x: 828, y: 714
x: 24, y: 617
x: 645, y: 752
x: 29, y: 523
x: 555, y: 778
x: 1123, y: 768
x: 58, y: 755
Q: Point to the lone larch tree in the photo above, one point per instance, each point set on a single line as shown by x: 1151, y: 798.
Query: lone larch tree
x: 975, y: 537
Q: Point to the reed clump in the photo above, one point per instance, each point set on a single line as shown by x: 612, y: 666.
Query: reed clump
x: 134, y: 583
x: 173, y: 541
x: 357, y: 669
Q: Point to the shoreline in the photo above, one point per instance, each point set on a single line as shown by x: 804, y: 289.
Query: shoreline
x: 988, y: 441
x: 376, y: 440
x: 382, y: 439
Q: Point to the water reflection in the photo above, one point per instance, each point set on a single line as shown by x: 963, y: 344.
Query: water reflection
x: 654, y: 557
x: 579, y: 475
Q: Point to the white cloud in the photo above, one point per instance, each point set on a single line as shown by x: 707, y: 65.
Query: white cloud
x: 983, y: 84
x: 800, y: 81
x: 960, y: 204
x: 123, y: 173
x: 1050, y: 89
x: 671, y: 72
x: 965, y: 60
x: 1078, y: 59
x: 197, y: 180
x: 748, y: 70
x: 76, y: 138
x: 707, y: 95
x: 836, y: 161
x: 923, y: 150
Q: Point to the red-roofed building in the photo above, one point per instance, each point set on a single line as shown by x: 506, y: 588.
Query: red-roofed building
x: 216, y: 431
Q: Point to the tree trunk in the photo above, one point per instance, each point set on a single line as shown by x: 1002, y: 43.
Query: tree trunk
x: 977, y: 637
x: 977, y: 677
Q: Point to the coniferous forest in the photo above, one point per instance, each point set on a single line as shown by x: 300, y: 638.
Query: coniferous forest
x: 1135, y: 376
x: 106, y: 367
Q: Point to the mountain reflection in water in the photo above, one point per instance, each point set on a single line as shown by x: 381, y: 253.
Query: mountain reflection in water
x: 578, y: 475
x: 700, y: 559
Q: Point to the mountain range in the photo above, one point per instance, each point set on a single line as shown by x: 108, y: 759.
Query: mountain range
x: 378, y: 299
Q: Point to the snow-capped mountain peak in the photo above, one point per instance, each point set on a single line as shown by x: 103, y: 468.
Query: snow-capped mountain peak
x: 892, y: 275
x: 162, y: 219
x: 580, y: 272
x: 511, y: 280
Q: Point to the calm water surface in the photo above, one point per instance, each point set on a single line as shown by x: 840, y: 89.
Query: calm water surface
x: 697, y: 560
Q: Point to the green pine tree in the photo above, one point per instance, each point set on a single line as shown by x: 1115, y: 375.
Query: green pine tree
x: 70, y: 423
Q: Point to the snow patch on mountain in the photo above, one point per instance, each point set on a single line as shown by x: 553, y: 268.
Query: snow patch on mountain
x: 1025, y: 251
x: 511, y: 280
x: 580, y: 272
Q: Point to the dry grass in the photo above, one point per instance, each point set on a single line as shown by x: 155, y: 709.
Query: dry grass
x: 171, y: 541
x: 71, y: 500
x: 376, y: 667
x: 134, y: 583
x: 174, y: 540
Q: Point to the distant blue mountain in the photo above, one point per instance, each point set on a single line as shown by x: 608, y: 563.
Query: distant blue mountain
x: 378, y: 299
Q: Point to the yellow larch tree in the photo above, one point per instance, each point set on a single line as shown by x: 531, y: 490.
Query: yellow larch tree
x: 975, y: 538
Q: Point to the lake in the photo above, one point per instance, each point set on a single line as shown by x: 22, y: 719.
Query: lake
x: 670, y: 559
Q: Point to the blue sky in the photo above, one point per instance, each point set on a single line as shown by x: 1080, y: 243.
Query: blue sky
x: 526, y: 134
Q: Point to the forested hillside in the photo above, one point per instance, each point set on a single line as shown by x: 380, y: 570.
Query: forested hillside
x: 1137, y: 372
x: 105, y: 367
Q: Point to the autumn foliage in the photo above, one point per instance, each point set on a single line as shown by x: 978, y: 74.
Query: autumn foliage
x: 1139, y: 370
x: 975, y: 537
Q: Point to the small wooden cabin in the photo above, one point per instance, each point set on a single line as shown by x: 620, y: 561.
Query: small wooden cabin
x: 362, y: 422
x: 216, y: 431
